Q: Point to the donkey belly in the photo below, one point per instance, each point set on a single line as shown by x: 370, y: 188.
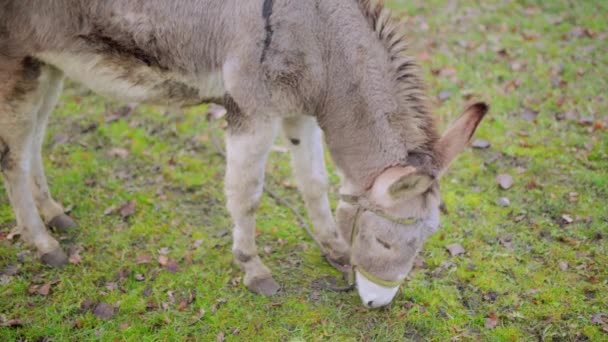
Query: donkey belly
x: 130, y: 81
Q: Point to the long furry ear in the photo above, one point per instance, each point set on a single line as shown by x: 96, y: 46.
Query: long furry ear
x: 457, y: 137
x: 398, y: 183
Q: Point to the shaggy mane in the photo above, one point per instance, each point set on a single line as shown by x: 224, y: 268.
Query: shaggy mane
x: 414, y: 120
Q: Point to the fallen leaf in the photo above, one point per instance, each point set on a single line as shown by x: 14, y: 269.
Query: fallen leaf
x: 529, y: 114
x: 143, y: 259
x: 45, y: 289
x: 140, y: 277
x: 481, y: 144
x: 127, y: 209
x: 163, y: 260
x: 455, y: 249
x: 505, y: 181
x: 580, y: 32
x: 60, y: 139
x: 215, y: 112
x: 164, y: 251
x: 172, y: 266
x: 197, y: 243
x: 444, y: 95
x: 567, y: 219
x: 12, y: 323
x: 74, y: 255
x: 86, y: 305
x: 11, y: 270
x: 504, y: 202
x: 563, y: 265
x: 103, y: 311
x: 109, y: 210
x: 599, y: 319
x: 221, y: 336
x: 119, y: 152
x: 111, y: 286
x: 221, y: 233
x: 491, y: 321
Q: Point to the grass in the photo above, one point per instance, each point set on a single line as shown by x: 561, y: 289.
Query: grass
x: 527, y: 274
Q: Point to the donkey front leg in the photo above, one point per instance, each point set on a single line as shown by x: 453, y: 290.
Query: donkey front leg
x: 51, y: 211
x: 247, y: 151
x: 20, y: 100
x: 308, y: 163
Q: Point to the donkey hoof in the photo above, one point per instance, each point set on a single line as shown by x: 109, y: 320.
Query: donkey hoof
x: 56, y: 258
x: 62, y: 223
x: 264, y: 286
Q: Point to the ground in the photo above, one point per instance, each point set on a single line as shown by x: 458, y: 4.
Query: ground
x: 151, y: 258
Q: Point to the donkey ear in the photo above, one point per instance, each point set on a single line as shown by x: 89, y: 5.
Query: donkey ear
x: 459, y: 134
x: 399, y: 183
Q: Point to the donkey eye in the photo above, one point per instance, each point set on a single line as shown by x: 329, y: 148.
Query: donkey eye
x: 383, y: 243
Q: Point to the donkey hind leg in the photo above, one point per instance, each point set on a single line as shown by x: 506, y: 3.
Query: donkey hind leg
x: 18, y: 116
x: 51, y: 211
x: 247, y: 153
x: 308, y: 165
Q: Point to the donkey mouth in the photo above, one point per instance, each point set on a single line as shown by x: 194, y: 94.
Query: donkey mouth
x: 372, y: 295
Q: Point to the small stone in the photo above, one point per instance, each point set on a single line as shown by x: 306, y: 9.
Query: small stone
x: 504, y: 202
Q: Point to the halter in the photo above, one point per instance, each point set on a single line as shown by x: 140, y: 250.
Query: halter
x: 362, y: 206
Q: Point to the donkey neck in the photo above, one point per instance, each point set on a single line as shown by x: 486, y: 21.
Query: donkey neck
x: 355, y: 115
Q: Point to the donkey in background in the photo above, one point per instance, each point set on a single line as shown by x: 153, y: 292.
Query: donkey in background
x: 336, y: 67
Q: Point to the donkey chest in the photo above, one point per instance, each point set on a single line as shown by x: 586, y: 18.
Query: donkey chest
x: 129, y: 81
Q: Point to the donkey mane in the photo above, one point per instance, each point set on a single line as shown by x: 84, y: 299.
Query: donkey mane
x: 414, y: 120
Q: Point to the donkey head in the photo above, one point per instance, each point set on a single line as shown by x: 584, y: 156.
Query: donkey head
x: 388, y: 224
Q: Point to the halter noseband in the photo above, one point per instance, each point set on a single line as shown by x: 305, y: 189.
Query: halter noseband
x: 363, y: 206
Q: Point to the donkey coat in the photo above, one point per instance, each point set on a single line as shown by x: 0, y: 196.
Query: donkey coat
x: 335, y: 64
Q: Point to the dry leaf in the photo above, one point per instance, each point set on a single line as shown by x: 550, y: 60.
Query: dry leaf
x: 74, y: 253
x: 567, y: 219
x: 45, y: 289
x: 529, y: 114
x: 12, y: 323
x: 504, y: 202
x: 444, y: 95
x: 143, y: 259
x: 127, y: 209
x: 481, y: 144
x: 119, y: 152
x: 104, y: 311
x: 215, y: 112
x: 505, y: 181
x: 455, y: 249
x: 163, y: 260
x: 172, y: 266
x: 491, y: 321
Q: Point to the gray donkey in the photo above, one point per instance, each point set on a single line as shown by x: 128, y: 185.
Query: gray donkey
x: 308, y: 66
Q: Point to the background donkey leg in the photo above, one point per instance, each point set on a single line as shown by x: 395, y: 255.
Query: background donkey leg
x: 20, y: 99
x: 247, y: 151
x: 51, y: 211
x: 308, y: 163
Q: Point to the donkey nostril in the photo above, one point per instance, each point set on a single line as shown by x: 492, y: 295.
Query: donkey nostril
x: 370, y: 303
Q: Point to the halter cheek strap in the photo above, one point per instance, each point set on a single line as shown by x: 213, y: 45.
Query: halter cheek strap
x: 361, y: 208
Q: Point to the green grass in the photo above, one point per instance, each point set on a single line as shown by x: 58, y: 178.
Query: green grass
x: 511, y: 270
